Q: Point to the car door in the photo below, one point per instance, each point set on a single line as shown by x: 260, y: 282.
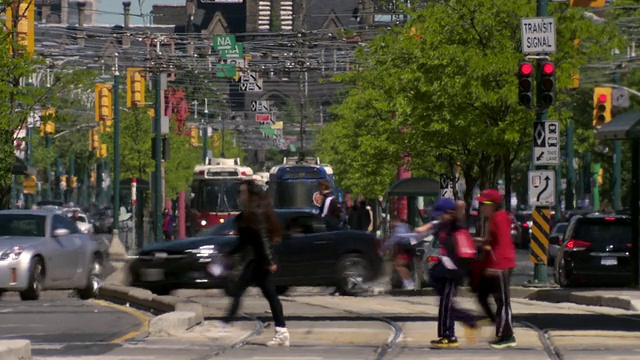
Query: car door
x: 68, y: 249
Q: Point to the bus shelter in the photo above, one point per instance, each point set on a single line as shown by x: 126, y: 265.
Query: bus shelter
x: 415, y: 189
x: 626, y: 127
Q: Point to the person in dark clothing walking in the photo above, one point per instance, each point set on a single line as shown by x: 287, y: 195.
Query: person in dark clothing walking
x: 329, y: 209
x: 360, y: 216
x: 497, y: 262
x: 258, y: 227
x: 447, y: 275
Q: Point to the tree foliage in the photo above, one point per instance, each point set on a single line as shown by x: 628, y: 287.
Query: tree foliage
x: 442, y: 89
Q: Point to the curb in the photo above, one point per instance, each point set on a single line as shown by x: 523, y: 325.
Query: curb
x: 566, y: 296
x: 175, y: 315
x: 516, y: 292
x: 15, y: 349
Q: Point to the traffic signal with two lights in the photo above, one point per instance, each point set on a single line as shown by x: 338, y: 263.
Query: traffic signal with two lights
x: 525, y: 84
x: 194, y: 136
x: 104, y: 102
x: 135, y: 87
x: 547, y: 84
x: 601, y: 106
x: 94, y: 140
x: 47, y: 128
x: 102, y: 151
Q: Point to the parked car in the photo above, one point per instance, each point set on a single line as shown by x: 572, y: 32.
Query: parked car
x: 308, y: 255
x: 525, y: 219
x: 595, y: 251
x: 556, y: 238
x: 83, y: 222
x: 43, y: 250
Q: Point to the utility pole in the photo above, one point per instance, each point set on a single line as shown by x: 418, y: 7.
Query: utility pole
x: 205, y: 132
x: 116, y: 149
x: 617, y: 158
x: 28, y: 198
x: 157, y: 152
x: 571, y: 171
x: 303, y: 105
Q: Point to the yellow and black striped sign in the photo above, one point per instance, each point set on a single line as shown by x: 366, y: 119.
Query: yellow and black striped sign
x: 540, y: 236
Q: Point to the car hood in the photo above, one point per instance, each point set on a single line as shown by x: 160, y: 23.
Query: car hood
x: 7, y: 242
x: 178, y: 246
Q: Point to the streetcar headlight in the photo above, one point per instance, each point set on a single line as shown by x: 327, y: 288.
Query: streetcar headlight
x: 221, y: 221
x: 203, y: 222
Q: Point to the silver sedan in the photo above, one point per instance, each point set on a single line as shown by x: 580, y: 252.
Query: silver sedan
x: 42, y: 250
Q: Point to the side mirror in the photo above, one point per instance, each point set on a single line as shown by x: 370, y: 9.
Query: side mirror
x: 555, y: 240
x: 61, y: 232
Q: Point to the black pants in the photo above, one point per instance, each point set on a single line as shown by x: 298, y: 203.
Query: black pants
x: 261, y: 276
x: 167, y: 235
x: 448, y: 312
x: 498, y: 286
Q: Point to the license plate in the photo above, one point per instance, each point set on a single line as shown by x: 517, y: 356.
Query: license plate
x: 609, y: 261
x: 152, y: 274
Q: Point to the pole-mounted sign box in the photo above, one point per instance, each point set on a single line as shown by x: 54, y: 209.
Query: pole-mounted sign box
x: 538, y: 35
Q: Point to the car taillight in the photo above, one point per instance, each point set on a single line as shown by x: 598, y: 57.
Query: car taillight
x: 525, y: 225
x: 432, y: 259
x: 577, y: 244
x: 609, y: 219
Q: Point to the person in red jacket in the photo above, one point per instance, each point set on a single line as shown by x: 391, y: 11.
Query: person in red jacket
x: 499, y: 261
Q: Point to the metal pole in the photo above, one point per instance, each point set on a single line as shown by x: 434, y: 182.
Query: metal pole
x: 617, y: 159
x: 157, y: 146
x: 302, y: 114
x: 56, y: 179
x: 28, y: 197
x: 595, y: 189
x: 222, y: 138
x: 46, y: 193
x: 540, y: 270
x: 635, y: 199
x: 571, y: 171
x: 72, y: 173
x: 116, y: 147
x: 205, y: 136
x: 558, y: 195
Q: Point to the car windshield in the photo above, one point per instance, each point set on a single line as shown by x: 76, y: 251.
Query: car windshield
x: 22, y: 225
x: 296, y: 194
x: 600, y: 231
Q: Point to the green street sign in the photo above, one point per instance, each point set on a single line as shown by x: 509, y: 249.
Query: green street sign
x: 224, y: 42
x: 226, y: 70
x: 237, y: 52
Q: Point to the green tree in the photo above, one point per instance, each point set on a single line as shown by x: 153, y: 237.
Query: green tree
x: 231, y: 150
x: 178, y: 171
x: 452, y: 89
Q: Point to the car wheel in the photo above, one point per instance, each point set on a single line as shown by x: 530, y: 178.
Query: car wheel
x: 563, y: 280
x: 34, y: 287
x: 94, y: 280
x: 353, y: 270
x: 282, y: 290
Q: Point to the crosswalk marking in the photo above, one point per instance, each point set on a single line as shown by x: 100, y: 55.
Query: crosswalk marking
x: 141, y: 345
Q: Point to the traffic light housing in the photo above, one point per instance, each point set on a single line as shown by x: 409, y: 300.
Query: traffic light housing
x: 102, y: 151
x: 135, y: 87
x: 73, y: 182
x: 47, y: 128
x: 601, y: 106
x: 547, y: 84
x: 194, y: 136
x: 588, y: 3
x: 94, y: 140
x: 23, y: 12
x: 104, y: 102
x: 525, y: 84
x: 601, y: 176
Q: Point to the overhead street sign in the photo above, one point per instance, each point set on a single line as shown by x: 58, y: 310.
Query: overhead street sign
x: 546, y: 143
x: 538, y: 35
x: 260, y: 106
x: 224, y: 42
x: 542, y: 188
x: 235, y: 52
x: 251, y: 87
x: 263, y: 118
x: 446, y: 186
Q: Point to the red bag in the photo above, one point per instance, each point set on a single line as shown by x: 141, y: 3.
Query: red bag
x: 465, y: 245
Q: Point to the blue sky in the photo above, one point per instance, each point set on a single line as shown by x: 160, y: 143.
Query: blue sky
x: 115, y: 6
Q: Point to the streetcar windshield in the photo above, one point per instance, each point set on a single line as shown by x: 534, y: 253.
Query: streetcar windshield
x: 295, y: 194
x: 216, y: 195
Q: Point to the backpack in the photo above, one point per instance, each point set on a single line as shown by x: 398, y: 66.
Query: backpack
x: 465, y: 246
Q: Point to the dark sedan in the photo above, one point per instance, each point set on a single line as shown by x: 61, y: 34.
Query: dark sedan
x: 308, y: 255
x: 595, y: 251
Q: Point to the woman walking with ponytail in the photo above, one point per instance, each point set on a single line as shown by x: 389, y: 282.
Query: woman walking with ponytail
x: 258, y: 228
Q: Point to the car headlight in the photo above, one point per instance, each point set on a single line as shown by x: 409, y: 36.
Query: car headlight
x: 204, y: 251
x: 12, y: 254
x: 203, y: 222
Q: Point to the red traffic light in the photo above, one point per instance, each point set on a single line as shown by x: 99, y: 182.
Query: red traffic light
x: 526, y: 69
x: 548, y: 68
x: 602, y: 98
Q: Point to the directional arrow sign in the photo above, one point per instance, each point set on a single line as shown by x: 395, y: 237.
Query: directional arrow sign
x: 542, y: 188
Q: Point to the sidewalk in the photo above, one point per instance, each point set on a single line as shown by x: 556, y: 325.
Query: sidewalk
x: 626, y: 299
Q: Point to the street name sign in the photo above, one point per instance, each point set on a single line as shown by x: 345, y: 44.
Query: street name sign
x: 251, y: 87
x: 542, y: 188
x: 235, y: 52
x: 538, y: 35
x: 546, y: 143
x: 260, y: 106
x: 224, y: 42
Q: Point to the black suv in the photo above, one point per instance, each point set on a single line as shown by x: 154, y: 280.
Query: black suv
x: 595, y: 251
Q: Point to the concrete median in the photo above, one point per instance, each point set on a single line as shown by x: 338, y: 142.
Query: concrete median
x: 590, y: 298
x: 15, y: 349
x: 175, y: 314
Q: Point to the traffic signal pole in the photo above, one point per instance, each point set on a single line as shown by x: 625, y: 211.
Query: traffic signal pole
x: 542, y: 114
x: 617, y: 159
x: 157, y: 146
x: 116, y: 149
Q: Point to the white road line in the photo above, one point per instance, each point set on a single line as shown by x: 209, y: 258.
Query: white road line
x: 6, y: 310
x: 20, y: 325
x: 37, y: 346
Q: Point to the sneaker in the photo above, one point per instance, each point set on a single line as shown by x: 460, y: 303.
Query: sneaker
x: 445, y: 343
x: 281, y: 338
x: 503, y: 343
